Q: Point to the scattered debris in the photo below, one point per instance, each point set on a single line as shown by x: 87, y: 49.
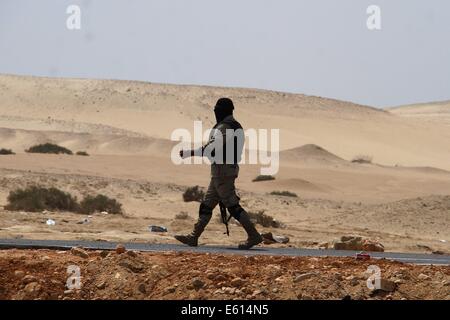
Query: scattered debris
x: 120, y: 248
x: 77, y: 251
x: 84, y: 221
x: 362, y: 256
x: 50, y: 222
x: 157, y: 228
x: 324, y: 245
x: 269, y: 238
x: 358, y: 244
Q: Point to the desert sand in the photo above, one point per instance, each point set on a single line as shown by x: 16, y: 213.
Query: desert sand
x: 401, y: 198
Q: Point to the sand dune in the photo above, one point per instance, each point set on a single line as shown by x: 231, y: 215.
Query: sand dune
x: 432, y: 109
x: 20, y: 140
x: 155, y: 110
x: 433, y: 112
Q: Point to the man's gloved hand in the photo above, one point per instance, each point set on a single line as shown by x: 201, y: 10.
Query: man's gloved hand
x: 185, y: 154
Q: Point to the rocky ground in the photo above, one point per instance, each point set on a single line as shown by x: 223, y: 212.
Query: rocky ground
x: 121, y: 274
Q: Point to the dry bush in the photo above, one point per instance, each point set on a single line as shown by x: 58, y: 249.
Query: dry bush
x: 34, y: 199
x: 264, y: 220
x: 48, y: 148
x: 6, y: 152
x: 183, y: 215
x: 362, y: 159
x: 284, y: 194
x: 263, y: 178
x: 193, y: 194
x: 99, y: 203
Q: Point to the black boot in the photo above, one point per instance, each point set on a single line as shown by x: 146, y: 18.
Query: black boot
x: 204, y: 217
x: 254, y: 237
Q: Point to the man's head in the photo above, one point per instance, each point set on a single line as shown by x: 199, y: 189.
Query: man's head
x: 224, y: 107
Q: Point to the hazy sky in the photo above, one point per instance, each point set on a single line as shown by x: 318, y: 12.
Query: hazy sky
x: 316, y: 47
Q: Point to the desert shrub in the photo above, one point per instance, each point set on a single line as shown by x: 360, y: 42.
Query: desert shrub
x: 6, y: 151
x: 193, y: 194
x: 284, y: 194
x: 362, y: 159
x: 263, y: 178
x: 82, y: 153
x: 36, y: 198
x: 48, y: 148
x: 99, y: 203
x: 183, y: 215
x: 264, y: 220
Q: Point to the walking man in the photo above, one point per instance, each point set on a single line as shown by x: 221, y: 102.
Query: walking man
x: 224, y: 149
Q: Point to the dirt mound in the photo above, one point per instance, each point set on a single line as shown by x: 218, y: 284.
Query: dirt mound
x: 310, y: 153
x: 43, y: 274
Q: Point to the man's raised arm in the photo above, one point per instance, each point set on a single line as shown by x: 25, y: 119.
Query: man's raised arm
x: 200, y: 151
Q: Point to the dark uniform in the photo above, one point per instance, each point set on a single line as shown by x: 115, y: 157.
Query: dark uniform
x: 224, y: 149
x: 223, y: 175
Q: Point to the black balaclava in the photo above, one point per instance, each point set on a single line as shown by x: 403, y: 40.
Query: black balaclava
x: 224, y: 107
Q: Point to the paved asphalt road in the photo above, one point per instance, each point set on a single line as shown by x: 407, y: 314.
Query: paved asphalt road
x: 103, y: 245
